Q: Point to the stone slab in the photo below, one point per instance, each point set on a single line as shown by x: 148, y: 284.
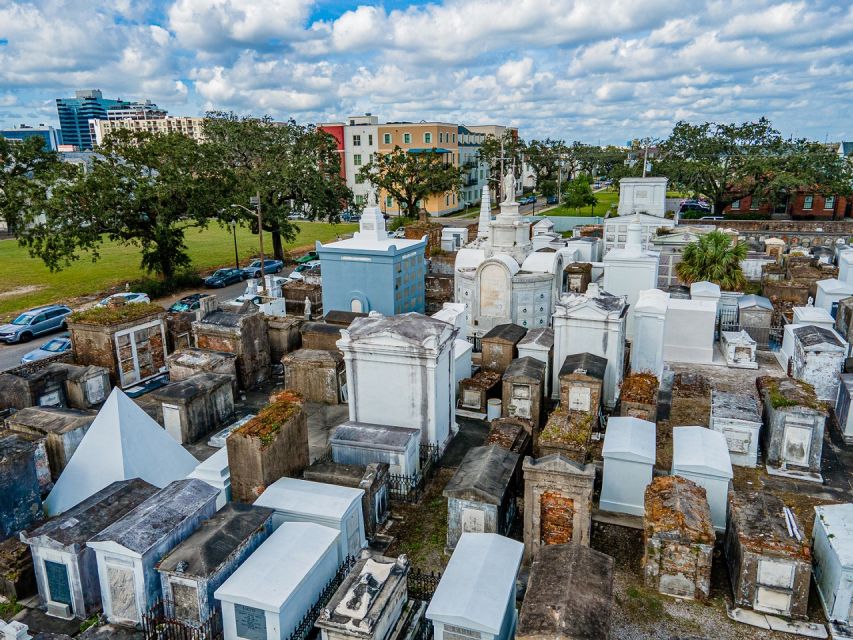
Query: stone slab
x: 218, y: 439
x: 792, y: 474
x: 774, y: 623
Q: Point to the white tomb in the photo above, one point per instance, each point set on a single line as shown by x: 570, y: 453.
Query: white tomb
x: 629, y: 270
x: 843, y: 405
x: 649, y: 332
x: 616, y: 230
x: 270, y: 593
x: 452, y: 238
x: 830, y: 293
x: 215, y: 472
x: 689, y: 335
x: 476, y: 595
x: 400, y: 372
x: 832, y: 553
x: 702, y: 455
x: 845, y: 272
x: 818, y: 359
x: 817, y: 316
x: 705, y: 291
x: 539, y: 344
x: 591, y: 322
x: 123, y: 442
x: 739, y: 349
x: 738, y: 418
x: 629, y: 458
x: 643, y: 195
x: 329, y: 505
x: 463, y: 361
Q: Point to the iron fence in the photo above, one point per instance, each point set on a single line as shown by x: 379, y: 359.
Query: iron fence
x: 158, y: 623
x: 306, y: 625
x: 766, y: 338
x: 422, y: 584
x: 410, y: 488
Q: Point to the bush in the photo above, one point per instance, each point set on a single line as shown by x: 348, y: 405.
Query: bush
x: 156, y: 288
x: 396, y: 222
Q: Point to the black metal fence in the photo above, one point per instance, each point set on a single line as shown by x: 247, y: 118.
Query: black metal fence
x: 306, y: 626
x: 422, y: 584
x: 158, y: 623
x: 766, y: 338
x: 410, y: 488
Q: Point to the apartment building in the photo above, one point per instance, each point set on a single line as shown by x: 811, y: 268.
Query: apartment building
x: 192, y: 127
x: 476, y: 172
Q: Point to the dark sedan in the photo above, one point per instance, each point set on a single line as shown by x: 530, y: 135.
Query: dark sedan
x: 224, y: 277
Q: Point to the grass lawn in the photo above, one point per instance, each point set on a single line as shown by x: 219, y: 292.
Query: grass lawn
x: 605, y: 200
x: 26, y: 282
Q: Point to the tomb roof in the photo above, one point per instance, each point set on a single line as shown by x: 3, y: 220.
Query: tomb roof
x: 569, y: 594
x: 630, y: 439
x: 816, y: 338
x: 412, y: 327
x: 526, y: 367
x: 320, y: 356
x: 735, y: 406
x: 759, y: 520
x: 376, y: 435
x: 193, y: 386
x: 47, y: 420
x: 677, y: 509
x: 508, y: 332
x: 752, y: 301
x: 310, y: 498
x: 484, y: 475
x: 82, y: 522
x: 342, y: 318
x: 837, y: 522
x: 158, y: 516
x: 539, y: 337
x: 215, y: 540
x: 477, y: 583
x: 700, y: 450
x: 587, y: 364
x: 320, y: 327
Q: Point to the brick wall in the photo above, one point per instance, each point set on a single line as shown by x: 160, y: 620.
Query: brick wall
x: 557, y: 512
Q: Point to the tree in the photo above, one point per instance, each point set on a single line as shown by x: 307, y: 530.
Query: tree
x: 27, y: 170
x: 546, y: 157
x: 506, y: 151
x: 578, y: 193
x: 143, y: 190
x: 715, y: 258
x: 295, y: 169
x: 725, y: 162
x: 410, y: 178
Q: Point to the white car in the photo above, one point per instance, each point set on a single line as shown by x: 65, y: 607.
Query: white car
x: 128, y: 297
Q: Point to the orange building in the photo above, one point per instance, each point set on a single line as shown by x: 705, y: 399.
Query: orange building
x: 422, y: 137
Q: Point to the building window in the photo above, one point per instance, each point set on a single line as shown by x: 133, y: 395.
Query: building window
x: 359, y: 179
x: 356, y: 159
x: 387, y: 138
x: 370, y: 139
x: 736, y: 204
x: 356, y: 141
x: 829, y: 202
x: 454, y: 137
x: 359, y: 200
x: 447, y: 200
x: 753, y: 203
x: 407, y: 138
x: 427, y: 138
x: 440, y: 137
x: 389, y: 202
x: 808, y: 201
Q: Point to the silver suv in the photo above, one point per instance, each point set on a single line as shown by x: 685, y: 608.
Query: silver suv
x: 35, y: 322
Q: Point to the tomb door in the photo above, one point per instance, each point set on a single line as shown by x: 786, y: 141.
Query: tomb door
x: 251, y: 622
x: 579, y: 398
x: 796, y: 443
x: 738, y: 440
x: 473, y: 521
x: 95, y: 390
x: 141, y: 352
x: 353, y: 535
x: 774, y: 585
x: 520, y: 401
x: 172, y: 422
x: 122, y: 593
x: 556, y: 518
x: 57, y: 582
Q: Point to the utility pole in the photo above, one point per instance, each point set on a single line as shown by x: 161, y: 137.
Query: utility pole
x: 256, y: 200
x: 646, y: 159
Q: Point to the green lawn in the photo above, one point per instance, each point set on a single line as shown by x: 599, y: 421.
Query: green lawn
x: 606, y: 198
x: 26, y: 282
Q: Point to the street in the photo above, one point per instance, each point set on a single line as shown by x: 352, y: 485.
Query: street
x: 11, y: 354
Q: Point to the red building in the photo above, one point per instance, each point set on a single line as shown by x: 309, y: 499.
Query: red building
x: 800, y: 205
x: 337, y: 132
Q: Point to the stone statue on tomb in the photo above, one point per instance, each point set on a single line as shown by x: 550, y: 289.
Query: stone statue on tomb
x: 810, y: 303
x: 509, y: 186
x: 307, y: 308
x: 371, y: 196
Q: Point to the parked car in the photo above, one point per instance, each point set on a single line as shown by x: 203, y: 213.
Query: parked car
x: 527, y: 200
x: 399, y: 233
x: 35, y: 322
x: 694, y: 206
x: 712, y: 218
x: 296, y: 274
x: 308, y: 257
x: 297, y: 216
x: 224, y: 277
x: 127, y: 297
x: 552, y: 200
x: 188, y: 303
x: 270, y: 266
x: 50, y: 348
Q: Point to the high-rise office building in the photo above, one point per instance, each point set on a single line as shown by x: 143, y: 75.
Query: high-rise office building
x: 75, y: 113
x: 51, y: 136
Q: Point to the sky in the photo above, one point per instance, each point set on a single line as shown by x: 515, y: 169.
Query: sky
x: 599, y: 71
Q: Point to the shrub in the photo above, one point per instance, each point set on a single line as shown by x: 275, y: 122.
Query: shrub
x: 156, y: 288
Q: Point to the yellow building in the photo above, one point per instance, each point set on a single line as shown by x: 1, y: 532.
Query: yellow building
x: 422, y: 137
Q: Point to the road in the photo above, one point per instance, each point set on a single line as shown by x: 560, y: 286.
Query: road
x: 11, y: 354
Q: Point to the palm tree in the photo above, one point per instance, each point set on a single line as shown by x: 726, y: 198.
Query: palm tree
x: 715, y: 258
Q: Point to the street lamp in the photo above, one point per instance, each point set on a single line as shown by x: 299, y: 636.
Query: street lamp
x: 234, y: 231
x: 256, y: 200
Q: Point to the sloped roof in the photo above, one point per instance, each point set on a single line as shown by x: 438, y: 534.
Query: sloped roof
x: 509, y: 332
x: 816, y: 338
x: 380, y: 436
x: 411, y: 327
x: 700, y: 450
x: 630, y: 439
x: 526, y: 367
x: 541, y: 337
x: 677, y: 509
x: 591, y: 364
x: 484, y: 475
x: 309, y: 498
x: 122, y: 443
x: 751, y: 300
x: 759, y: 520
x: 477, y: 583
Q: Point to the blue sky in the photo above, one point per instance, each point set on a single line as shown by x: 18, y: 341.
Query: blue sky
x: 592, y: 70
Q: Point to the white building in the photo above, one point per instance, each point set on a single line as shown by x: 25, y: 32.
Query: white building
x: 400, y: 372
x: 643, y: 195
x: 702, y: 455
x: 192, y: 127
x: 330, y: 505
x: 629, y: 460
x: 361, y: 143
x: 501, y: 279
x: 593, y: 322
x: 630, y: 270
x: 689, y: 333
x: 616, y: 230
x: 270, y: 593
x: 476, y: 595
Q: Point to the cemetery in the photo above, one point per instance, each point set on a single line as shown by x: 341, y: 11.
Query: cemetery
x: 560, y: 450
